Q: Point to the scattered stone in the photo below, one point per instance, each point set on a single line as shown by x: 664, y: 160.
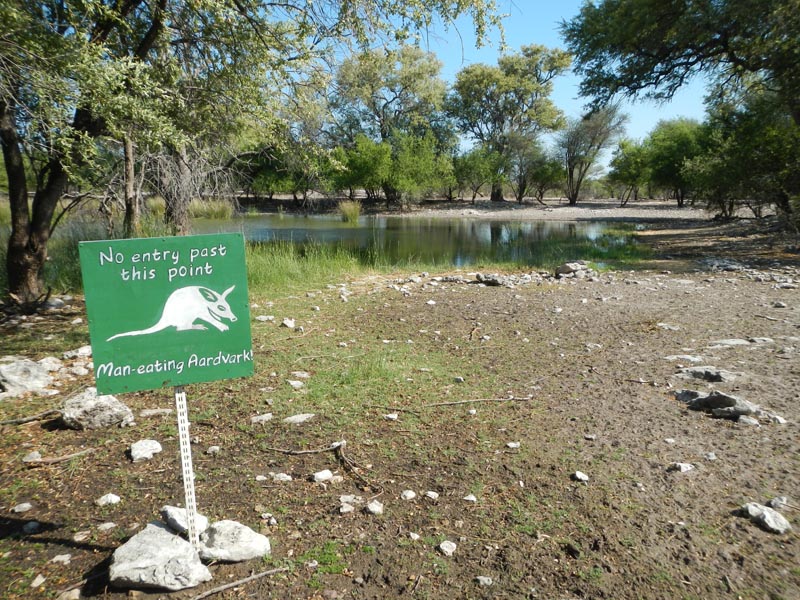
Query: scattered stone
x: 103, y: 527
x: 38, y: 581
x: 414, y: 536
x: 458, y: 380
x: 23, y: 507
x: 280, y: 477
x: 157, y: 558
x: 231, y: 541
x: 31, y: 527
x: 288, y: 323
x: 144, y: 450
x: 513, y: 445
x: 470, y: 498
x: 297, y: 419
x: 472, y: 412
x: 375, y: 508
x: 771, y: 417
x: 34, y: 456
x: 296, y: 384
x: 82, y: 352
x: 431, y: 302
x: 447, y: 548
x: 717, y: 344
x: 432, y: 495
x: 684, y: 357
x: 51, y: 363
x: 668, y: 327
x: 155, y: 412
x: 767, y: 518
x: 779, y: 305
x: 261, y: 478
x: 391, y: 417
x: 719, y: 404
x: 20, y: 375
x: 322, y: 476
x: 580, y: 476
x: 212, y: 450
x: 81, y: 536
x: 710, y: 456
x: 745, y: 420
x: 484, y: 581
x: 669, y: 440
x: 87, y: 410
x: 261, y: 418
x: 175, y: 518
x: 346, y: 508
x: 107, y: 499
x: 778, y: 503
x: 408, y: 494
x: 680, y: 467
x: 710, y: 374
x: 590, y: 437
x: 265, y: 318
x: 61, y: 559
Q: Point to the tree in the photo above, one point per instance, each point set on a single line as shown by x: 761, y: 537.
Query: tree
x: 652, y: 47
x: 72, y: 72
x: 749, y: 156
x: 492, y: 103
x: 531, y: 168
x: 668, y: 147
x: 629, y: 168
x: 582, y: 141
x: 475, y: 169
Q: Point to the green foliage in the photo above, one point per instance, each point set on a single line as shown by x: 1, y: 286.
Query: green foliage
x: 367, y: 165
x: 417, y: 168
x: 629, y: 169
x: 668, y: 147
x: 476, y: 168
x: 531, y: 168
x: 653, y: 47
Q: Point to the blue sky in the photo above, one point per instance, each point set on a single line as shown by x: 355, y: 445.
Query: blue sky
x: 537, y: 22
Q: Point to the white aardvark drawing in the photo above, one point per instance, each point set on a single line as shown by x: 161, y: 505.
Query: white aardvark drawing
x: 187, y: 305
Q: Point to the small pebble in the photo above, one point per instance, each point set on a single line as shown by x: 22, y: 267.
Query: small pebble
x: 21, y: 508
x: 408, y: 495
x: 432, y: 495
x: 107, y: 499
x: 470, y: 498
x: 580, y: 476
x: 322, y: 476
x: 375, y: 508
x: 513, y: 445
x: 447, y: 548
x: 213, y: 450
x: 484, y: 581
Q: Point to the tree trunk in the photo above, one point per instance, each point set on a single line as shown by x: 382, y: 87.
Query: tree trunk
x: 132, y: 226
x: 497, y: 192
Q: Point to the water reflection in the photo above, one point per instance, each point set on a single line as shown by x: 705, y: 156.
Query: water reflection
x: 455, y: 241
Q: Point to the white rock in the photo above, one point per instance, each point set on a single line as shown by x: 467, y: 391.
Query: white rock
x: 213, y: 450
x: 766, y: 517
x: 87, y: 410
x: 322, y: 476
x: 107, y: 499
x: 82, y: 352
x: 70, y: 595
x: 297, y: 419
x: 175, y: 518
x: 34, y: 456
x: 391, y: 417
x: 778, y: 503
x: 580, y: 476
x: 484, y: 581
x: 106, y: 526
x: 681, y: 467
x: 288, y: 323
x: 144, y: 450
x: 747, y: 420
x: 261, y: 418
x: 447, y: 548
x: 470, y: 498
x: 375, y: 508
x: 23, y: 507
x: 266, y: 318
x: 61, y: 559
x: 280, y: 477
x: 20, y: 375
x: 157, y: 558
x: 232, y: 542
x: 351, y: 499
x: 408, y: 494
x: 38, y: 581
x: 413, y: 536
x: 81, y: 536
x: 667, y: 327
x: 432, y: 495
x: 472, y: 412
x: 346, y: 508
x: 261, y: 478
x: 301, y: 374
x: 155, y: 412
x: 431, y: 302
x: 295, y: 384
x: 513, y: 445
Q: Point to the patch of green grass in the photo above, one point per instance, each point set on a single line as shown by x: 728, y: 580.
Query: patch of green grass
x: 350, y: 210
x: 211, y: 208
x: 594, y: 574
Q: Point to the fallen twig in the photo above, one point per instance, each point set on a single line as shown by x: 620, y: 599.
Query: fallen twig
x: 509, y: 399
x: 58, y: 459
x: 228, y: 586
x: 36, y: 417
x: 766, y: 317
x: 393, y: 408
x: 338, y: 449
x: 653, y: 383
x: 332, y: 448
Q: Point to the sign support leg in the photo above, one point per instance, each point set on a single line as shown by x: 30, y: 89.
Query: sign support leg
x: 186, y: 465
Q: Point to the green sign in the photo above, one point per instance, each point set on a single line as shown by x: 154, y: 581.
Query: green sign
x: 167, y: 311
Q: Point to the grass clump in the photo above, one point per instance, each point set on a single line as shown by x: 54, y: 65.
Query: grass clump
x: 350, y: 210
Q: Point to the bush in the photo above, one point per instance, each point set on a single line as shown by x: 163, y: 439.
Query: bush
x: 350, y: 210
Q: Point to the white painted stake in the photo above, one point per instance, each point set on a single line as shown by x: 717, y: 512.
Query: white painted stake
x: 186, y: 465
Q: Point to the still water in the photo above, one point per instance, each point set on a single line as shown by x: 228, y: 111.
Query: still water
x: 455, y: 241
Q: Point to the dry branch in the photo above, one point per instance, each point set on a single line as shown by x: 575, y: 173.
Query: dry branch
x: 36, y: 417
x: 509, y: 399
x: 58, y: 459
x: 228, y: 586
